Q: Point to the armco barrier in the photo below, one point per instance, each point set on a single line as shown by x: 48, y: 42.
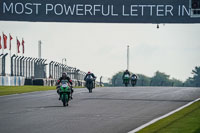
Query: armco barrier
x: 28, y: 82
x: 38, y: 82
x: 52, y: 82
x: 12, y: 81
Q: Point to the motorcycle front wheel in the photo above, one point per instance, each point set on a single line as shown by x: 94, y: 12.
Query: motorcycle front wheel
x: 65, y: 100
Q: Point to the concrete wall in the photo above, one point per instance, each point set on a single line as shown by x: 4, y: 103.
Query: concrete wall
x: 12, y: 81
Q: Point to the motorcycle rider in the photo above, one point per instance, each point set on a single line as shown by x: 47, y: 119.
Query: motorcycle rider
x: 134, y: 78
x: 64, y: 77
x: 88, y: 75
x: 125, y: 73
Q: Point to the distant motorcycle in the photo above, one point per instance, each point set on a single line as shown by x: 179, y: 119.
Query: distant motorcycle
x: 133, y: 80
x: 90, y: 83
x: 126, y: 79
x: 65, y: 92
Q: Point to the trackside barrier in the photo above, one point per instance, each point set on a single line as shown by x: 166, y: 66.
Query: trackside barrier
x: 20, y: 81
x: 35, y: 71
x: 51, y: 82
x: 12, y: 81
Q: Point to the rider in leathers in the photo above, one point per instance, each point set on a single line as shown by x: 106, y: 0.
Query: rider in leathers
x: 126, y: 72
x: 64, y: 77
x: 90, y: 74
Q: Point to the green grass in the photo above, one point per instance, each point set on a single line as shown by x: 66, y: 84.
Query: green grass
x: 8, y: 90
x: 186, y: 120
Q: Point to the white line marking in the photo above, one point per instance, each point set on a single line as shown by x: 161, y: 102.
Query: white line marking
x: 164, y: 116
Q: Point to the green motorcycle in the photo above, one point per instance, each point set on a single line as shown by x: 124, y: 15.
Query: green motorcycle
x: 126, y: 79
x: 65, y: 92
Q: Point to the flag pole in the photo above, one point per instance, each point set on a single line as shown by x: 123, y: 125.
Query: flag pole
x: 10, y: 45
x: 10, y: 52
x: 3, y: 43
x: 22, y: 47
x: 17, y: 47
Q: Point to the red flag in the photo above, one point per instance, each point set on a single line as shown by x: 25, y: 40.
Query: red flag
x: 18, y: 45
x: 23, y: 45
x: 5, y: 41
x: 10, y: 42
x: 0, y: 43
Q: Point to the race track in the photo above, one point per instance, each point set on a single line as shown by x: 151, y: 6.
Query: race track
x: 106, y: 110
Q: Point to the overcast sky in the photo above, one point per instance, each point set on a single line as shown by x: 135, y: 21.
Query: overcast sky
x: 101, y: 48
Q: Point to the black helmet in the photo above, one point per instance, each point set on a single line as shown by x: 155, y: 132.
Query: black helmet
x: 64, y: 74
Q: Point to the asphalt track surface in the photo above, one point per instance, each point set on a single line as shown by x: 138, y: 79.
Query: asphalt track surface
x: 106, y: 110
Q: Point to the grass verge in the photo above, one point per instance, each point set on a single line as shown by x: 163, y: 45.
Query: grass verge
x: 186, y: 120
x: 8, y: 90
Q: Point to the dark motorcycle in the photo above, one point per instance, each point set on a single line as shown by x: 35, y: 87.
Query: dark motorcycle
x: 133, y: 80
x: 90, y: 83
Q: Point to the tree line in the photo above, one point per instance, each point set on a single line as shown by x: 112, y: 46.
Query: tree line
x: 160, y: 79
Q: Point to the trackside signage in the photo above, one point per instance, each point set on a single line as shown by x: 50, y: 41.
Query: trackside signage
x: 100, y: 11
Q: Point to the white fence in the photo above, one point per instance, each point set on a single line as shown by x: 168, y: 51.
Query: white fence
x: 12, y: 81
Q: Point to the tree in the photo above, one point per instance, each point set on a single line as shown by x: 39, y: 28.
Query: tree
x: 117, y: 79
x: 188, y: 82
x: 160, y: 79
x: 143, y: 80
x: 195, y: 80
x: 176, y: 82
